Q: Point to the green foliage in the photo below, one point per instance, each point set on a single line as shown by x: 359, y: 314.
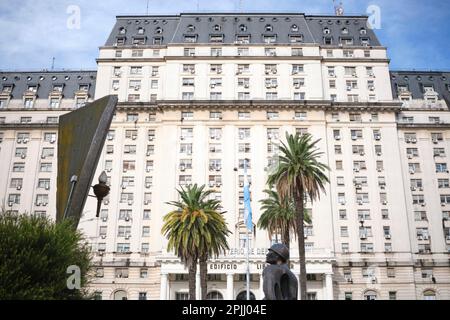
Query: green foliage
x: 196, y: 226
x: 278, y: 216
x: 299, y: 168
x: 34, y: 256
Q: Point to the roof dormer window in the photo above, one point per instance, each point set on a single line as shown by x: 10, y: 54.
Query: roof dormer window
x: 158, y: 30
x: 190, y: 38
x: 120, y: 41
x: 141, y: 31
x: 268, y: 28
x: 363, y: 31
x: 326, y: 31
x: 217, y: 27
x: 139, y: 40
x: 344, y: 31
x: 216, y: 38
x: 122, y: 30
x: 294, y: 28
x: 190, y: 28
x: 242, y: 28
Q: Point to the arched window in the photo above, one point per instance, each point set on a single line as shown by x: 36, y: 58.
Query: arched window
x: 370, y: 295
x: 326, y: 31
x: 141, y: 31
x: 120, y: 295
x: 217, y: 27
x: 268, y: 28
x: 122, y: 30
x: 294, y: 28
x: 429, y: 295
x: 363, y: 31
x: 158, y: 30
x: 242, y: 28
x: 344, y: 31
x: 243, y: 296
x: 190, y: 28
x: 214, y: 295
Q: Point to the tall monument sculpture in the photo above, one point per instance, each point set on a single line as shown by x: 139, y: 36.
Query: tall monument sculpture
x: 279, y: 283
x: 82, y: 134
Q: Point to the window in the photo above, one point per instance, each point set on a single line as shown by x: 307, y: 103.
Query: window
x: 45, y: 167
x: 242, y: 39
x: 429, y: 295
x: 187, y: 95
x: 13, y: 199
x: 344, y: 231
x: 145, y: 231
x: 136, y: 70
x: 392, y: 295
x: 269, y: 38
x: 189, y: 52
x: 190, y: 38
x: 342, y: 214
x: 297, y: 68
x: 28, y: 103
x: 441, y: 167
x: 443, y: 183
x: 348, y: 296
x: 121, y: 272
x: 297, y: 52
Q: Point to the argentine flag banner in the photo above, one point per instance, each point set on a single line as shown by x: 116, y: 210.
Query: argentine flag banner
x: 247, y: 206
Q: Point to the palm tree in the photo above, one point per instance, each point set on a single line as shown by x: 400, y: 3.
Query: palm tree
x: 195, y: 229
x: 215, y: 244
x: 278, y: 217
x: 299, y: 172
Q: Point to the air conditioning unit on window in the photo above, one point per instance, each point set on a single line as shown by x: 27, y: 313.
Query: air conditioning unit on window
x: 387, y: 236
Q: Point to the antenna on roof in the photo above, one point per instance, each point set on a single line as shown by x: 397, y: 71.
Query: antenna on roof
x: 338, y: 8
x: 241, y: 3
x: 53, y: 63
x: 147, y: 7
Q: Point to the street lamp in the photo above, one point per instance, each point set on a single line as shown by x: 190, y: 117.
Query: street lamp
x: 101, y: 190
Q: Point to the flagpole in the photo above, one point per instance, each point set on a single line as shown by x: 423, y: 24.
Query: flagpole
x: 248, y: 237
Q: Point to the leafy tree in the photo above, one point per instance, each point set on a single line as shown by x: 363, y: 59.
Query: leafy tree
x: 34, y: 256
x: 299, y: 172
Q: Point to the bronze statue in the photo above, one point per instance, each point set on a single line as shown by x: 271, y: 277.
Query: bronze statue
x: 279, y: 283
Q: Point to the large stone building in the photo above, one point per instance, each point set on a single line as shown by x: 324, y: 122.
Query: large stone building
x: 199, y: 94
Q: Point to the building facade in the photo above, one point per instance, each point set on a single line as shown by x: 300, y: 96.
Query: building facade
x: 200, y: 93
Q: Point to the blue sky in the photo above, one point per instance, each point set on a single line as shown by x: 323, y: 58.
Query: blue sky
x: 416, y: 32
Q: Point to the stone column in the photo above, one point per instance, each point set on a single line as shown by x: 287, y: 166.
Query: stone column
x: 329, y: 286
x: 230, y: 286
x: 164, y: 284
x: 261, y: 290
x: 297, y: 275
x: 198, y: 289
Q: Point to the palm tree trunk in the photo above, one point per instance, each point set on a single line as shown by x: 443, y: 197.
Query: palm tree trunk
x: 192, y: 278
x: 286, y: 241
x: 203, y: 276
x: 299, y: 214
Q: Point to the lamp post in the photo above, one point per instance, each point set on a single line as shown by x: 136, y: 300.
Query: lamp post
x: 101, y: 190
